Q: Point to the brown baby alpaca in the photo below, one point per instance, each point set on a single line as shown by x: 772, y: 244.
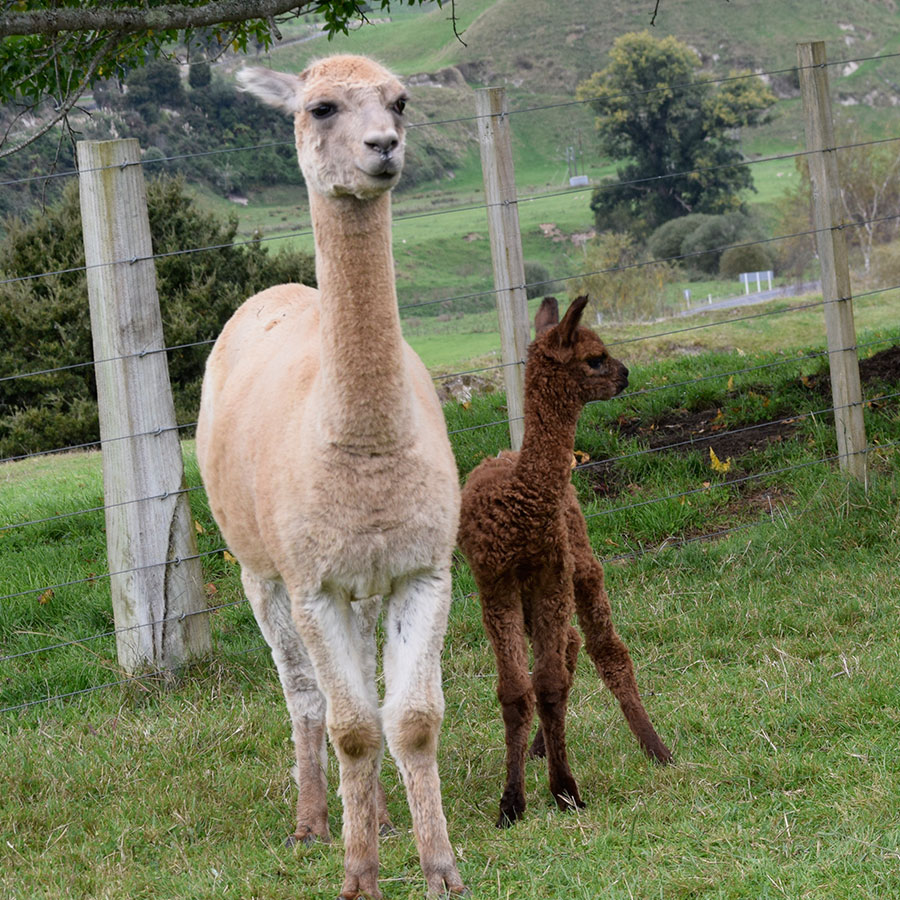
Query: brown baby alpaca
x: 526, y: 541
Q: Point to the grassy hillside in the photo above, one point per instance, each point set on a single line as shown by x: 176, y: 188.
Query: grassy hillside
x: 545, y: 48
x: 540, y: 51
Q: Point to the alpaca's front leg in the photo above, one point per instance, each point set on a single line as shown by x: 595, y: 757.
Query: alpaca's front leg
x: 367, y: 612
x: 339, y: 651
x: 501, y: 613
x: 415, y: 623
x: 305, y: 703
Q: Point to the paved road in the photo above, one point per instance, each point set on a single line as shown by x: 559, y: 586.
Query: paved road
x: 791, y: 290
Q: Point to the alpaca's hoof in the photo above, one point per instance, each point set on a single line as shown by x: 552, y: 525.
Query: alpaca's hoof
x: 445, y: 882
x: 356, y: 888
x: 305, y: 836
x: 659, y: 752
x: 510, y: 812
x: 567, y: 802
x: 387, y: 829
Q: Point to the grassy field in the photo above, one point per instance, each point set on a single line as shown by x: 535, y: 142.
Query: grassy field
x: 767, y: 658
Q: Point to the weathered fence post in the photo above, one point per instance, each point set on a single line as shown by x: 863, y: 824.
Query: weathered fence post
x: 506, y: 249
x: 832, y: 248
x: 148, y: 519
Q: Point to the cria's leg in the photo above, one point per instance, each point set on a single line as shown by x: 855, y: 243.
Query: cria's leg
x: 503, y: 618
x: 538, y: 749
x: 305, y: 703
x: 552, y: 676
x: 339, y: 648
x: 415, y: 623
x: 603, y: 644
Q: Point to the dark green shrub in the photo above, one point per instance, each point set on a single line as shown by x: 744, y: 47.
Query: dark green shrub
x: 667, y: 241
x: 537, y: 280
x: 751, y: 258
x: 45, y: 324
x: 712, y: 235
x: 199, y: 74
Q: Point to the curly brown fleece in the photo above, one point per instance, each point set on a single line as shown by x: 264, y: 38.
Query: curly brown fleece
x: 526, y: 541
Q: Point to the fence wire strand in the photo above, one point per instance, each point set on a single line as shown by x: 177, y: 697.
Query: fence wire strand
x: 636, y: 554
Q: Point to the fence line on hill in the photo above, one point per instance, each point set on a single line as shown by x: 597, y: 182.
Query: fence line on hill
x: 835, y: 408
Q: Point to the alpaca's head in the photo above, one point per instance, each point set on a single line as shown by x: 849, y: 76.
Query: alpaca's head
x: 348, y: 122
x: 570, y: 358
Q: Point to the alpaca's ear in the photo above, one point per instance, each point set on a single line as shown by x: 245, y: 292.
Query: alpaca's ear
x: 571, y: 319
x: 547, y: 316
x: 278, y: 89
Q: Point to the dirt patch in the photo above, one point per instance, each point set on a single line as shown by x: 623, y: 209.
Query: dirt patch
x: 883, y: 366
x: 683, y: 431
x: 461, y: 387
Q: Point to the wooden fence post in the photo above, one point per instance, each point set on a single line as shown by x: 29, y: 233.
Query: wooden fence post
x: 832, y: 248
x: 506, y: 249
x: 148, y: 518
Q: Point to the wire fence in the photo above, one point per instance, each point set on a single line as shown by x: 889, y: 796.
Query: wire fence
x: 626, y: 398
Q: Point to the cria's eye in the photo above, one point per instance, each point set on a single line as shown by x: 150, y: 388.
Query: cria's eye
x: 596, y: 362
x: 399, y: 106
x: 323, y: 110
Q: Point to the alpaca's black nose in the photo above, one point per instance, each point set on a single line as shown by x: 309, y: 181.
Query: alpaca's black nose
x: 383, y: 144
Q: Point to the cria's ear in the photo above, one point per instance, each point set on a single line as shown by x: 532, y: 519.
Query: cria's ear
x: 278, y: 89
x: 571, y: 319
x: 547, y: 316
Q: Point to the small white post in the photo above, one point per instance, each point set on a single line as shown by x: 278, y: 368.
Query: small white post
x: 506, y: 249
x: 157, y: 585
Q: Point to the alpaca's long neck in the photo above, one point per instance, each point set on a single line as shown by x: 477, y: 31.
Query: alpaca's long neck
x: 363, y: 373
x: 544, y: 463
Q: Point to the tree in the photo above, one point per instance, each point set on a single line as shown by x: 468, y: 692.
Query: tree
x: 55, y: 50
x: 870, y: 193
x: 869, y: 174
x: 674, y: 133
x: 45, y: 323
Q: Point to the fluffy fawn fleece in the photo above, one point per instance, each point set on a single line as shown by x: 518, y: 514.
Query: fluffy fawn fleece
x: 526, y: 541
x: 328, y: 468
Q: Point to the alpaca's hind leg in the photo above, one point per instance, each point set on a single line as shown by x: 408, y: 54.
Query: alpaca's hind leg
x: 415, y: 623
x: 504, y: 622
x: 339, y: 649
x: 538, y: 749
x: 305, y: 703
x: 603, y: 644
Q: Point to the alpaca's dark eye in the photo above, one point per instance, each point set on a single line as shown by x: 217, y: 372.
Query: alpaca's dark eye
x: 323, y: 110
x: 596, y: 362
x: 399, y: 106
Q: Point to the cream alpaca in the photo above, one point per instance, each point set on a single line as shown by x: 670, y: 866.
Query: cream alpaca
x: 325, y: 455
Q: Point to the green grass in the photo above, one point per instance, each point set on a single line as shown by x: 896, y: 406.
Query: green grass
x: 767, y: 659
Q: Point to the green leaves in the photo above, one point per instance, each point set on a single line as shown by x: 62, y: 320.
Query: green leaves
x: 52, y: 52
x: 672, y: 130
